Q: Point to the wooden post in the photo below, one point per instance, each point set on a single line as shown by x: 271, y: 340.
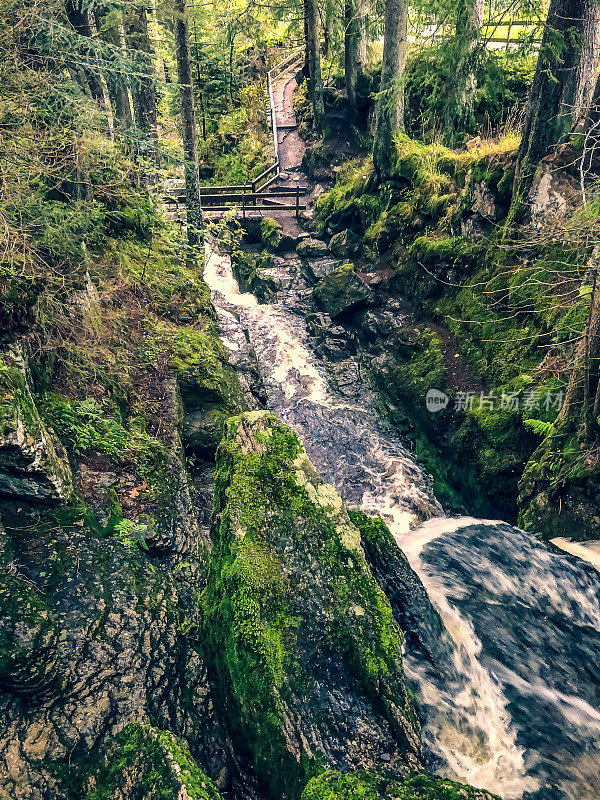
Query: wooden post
x: 244, y: 205
x: 297, y: 202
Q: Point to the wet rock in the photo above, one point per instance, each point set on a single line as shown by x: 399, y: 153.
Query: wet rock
x: 202, y: 433
x: 296, y: 625
x: 98, y: 627
x: 553, y: 195
x: 317, y: 268
x: 143, y: 761
x: 33, y: 463
x: 346, y: 244
x: 342, y: 292
x: 273, y: 237
x: 312, y: 248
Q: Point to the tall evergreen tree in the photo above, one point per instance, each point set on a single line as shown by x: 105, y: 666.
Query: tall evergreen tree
x: 355, y: 47
x: 313, y: 62
x: 188, y: 120
x: 390, y: 104
x: 560, y: 82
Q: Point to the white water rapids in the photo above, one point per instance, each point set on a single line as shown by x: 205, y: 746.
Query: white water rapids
x: 513, y: 704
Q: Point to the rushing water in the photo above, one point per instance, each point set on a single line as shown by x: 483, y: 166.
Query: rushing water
x: 510, y: 701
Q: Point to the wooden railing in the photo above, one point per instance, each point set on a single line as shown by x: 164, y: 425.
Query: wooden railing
x: 257, y: 194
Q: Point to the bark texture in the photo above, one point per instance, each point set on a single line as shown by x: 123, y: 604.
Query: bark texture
x: 313, y: 58
x: 463, y: 83
x: 390, y: 105
x: 558, y: 82
x: 188, y: 121
x: 355, y: 47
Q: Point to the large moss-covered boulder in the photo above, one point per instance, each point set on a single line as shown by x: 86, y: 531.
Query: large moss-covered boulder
x: 331, y: 785
x: 301, y: 641
x: 33, y: 463
x: 342, y: 292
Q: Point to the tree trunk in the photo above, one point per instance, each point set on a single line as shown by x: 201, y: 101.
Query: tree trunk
x: 83, y: 23
x: 555, y: 87
x: 126, y: 93
x: 355, y: 47
x: 463, y: 84
x: 390, y: 105
x: 147, y: 114
x: 159, y: 64
x: 313, y: 54
x: 188, y: 119
x: 582, y: 81
x: 582, y: 398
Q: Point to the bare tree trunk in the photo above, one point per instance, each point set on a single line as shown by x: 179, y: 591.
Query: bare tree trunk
x: 581, y: 81
x: 463, y: 84
x: 552, y: 95
x: 390, y: 105
x: 127, y: 107
x: 148, y: 115
x: 159, y: 64
x: 355, y: 47
x: 313, y: 54
x: 188, y: 119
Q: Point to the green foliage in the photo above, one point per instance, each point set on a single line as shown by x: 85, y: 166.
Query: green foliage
x: 503, y: 81
x: 88, y: 425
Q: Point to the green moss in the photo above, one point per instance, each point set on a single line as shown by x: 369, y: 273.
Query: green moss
x: 363, y: 785
x: 271, y: 233
x: 150, y: 763
x: 267, y: 494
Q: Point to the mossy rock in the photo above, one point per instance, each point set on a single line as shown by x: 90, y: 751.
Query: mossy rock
x: 364, y: 785
x: 342, y: 292
x: 294, y: 619
x: 33, y: 463
x: 145, y: 762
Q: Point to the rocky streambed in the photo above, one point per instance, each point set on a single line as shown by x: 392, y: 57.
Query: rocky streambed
x: 501, y: 644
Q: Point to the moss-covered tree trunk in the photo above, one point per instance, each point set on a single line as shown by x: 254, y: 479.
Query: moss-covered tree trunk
x: 582, y: 399
x: 555, y: 84
x: 141, y: 41
x: 313, y: 59
x: 355, y: 47
x: 463, y: 79
x: 390, y: 105
x: 188, y: 120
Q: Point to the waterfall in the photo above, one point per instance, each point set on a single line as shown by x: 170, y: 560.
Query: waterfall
x: 511, y: 702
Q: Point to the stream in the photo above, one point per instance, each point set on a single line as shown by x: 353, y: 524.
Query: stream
x: 510, y: 695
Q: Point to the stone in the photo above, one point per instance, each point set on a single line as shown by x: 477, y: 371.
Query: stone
x: 342, y: 292
x: 299, y: 636
x: 317, y: 268
x: 312, y: 248
x: 33, y: 463
x: 553, y: 195
x: 346, y: 244
x: 202, y: 433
